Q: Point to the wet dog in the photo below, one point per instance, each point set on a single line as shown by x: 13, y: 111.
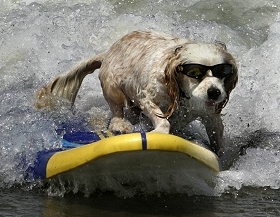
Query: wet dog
x: 159, y: 74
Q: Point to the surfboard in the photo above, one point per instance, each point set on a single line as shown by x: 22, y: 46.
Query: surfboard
x: 92, y: 153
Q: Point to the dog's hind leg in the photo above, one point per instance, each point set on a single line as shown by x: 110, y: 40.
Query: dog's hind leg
x: 119, y: 124
x: 117, y: 101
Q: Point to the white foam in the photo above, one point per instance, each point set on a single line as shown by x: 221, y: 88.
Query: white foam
x: 254, y: 102
x: 258, y: 168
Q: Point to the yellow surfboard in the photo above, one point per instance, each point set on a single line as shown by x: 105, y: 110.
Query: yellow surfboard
x: 135, y: 151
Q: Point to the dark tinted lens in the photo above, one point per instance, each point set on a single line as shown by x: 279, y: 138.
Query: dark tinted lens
x: 194, y: 71
x: 222, y: 70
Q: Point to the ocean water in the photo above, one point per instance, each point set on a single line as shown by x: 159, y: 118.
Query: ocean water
x: 40, y: 39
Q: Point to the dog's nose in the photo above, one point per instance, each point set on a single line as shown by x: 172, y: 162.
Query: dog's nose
x: 213, y: 93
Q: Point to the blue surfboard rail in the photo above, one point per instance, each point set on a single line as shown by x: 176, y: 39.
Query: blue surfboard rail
x: 38, y: 171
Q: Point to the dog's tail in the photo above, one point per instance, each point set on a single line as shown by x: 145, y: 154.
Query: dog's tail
x: 68, y: 84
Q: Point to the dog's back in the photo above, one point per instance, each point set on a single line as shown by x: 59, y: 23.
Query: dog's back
x: 121, y: 64
x: 137, y: 63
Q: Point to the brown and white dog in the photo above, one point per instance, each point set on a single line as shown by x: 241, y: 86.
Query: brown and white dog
x: 157, y: 73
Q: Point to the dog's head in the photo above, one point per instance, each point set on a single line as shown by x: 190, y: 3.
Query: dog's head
x: 204, y: 73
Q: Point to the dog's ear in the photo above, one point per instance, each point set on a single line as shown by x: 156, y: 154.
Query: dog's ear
x: 229, y: 83
x: 171, y: 81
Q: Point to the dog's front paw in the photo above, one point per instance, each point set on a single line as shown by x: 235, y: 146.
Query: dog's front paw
x: 120, y: 125
x: 162, y: 127
x: 160, y: 130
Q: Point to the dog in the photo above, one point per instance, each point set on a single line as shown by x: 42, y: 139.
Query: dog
x: 159, y: 74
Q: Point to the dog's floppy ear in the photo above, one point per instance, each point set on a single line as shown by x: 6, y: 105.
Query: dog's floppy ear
x: 229, y: 83
x: 170, y: 80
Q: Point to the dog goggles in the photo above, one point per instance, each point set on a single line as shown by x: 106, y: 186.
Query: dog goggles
x: 199, y: 71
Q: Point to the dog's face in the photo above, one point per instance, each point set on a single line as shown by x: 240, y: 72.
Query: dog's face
x: 206, y: 76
